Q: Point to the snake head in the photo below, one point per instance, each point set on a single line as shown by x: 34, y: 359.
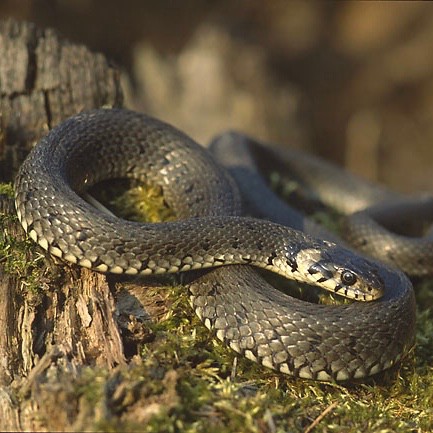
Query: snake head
x: 359, y: 285
x: 340, y: 271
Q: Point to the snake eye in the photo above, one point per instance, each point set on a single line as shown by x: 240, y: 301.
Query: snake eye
x: 348, y: 278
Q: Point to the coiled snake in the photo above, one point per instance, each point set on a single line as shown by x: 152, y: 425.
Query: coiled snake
x: 287, y: 334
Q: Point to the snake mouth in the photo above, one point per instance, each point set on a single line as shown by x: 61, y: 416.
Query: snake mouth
x: 304, y: 291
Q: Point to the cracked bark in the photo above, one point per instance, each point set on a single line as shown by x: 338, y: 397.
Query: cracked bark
x: 67, y: 320
x: 43, y: 80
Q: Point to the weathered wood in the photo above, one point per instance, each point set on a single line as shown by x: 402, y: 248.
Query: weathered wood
x: 60, y: 324
x: 43, y: 80
x: 54, y: 319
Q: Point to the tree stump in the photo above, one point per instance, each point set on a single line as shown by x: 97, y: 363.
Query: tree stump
x: 44, y: 80
x: 58, y: 323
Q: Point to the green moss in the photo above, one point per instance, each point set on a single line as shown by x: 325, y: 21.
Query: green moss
x: 212, y: 390
x: 216, y: 391
x: 7, y: 189
x: 133, y: 202
x: 187, y: 381
x: 16, y: 253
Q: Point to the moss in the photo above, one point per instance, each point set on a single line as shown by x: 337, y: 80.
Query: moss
x: 212, y: 390
x: 7, y: 189
x: 218, y: 392
x: 187, y: 381
x: 135, y: 202
x: 15, y: 251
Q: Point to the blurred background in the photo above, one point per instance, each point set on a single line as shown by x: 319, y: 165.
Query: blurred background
x: 350, y: 81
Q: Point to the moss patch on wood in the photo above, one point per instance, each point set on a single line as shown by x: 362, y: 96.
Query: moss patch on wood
x: 182, y: 379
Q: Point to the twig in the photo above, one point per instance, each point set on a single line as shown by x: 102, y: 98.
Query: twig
x: 320, y: 417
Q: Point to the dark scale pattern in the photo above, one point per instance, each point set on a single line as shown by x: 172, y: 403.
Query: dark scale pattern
x: 306, y: 340
x: 303, y: 339
x: 373, y: 214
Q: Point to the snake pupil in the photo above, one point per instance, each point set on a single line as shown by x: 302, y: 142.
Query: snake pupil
x: 348, y: 278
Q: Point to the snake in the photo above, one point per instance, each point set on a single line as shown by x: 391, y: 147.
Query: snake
x: 224, y: 250
x: 373, y: 214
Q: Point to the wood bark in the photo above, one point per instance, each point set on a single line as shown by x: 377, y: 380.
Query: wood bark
x: 44, y: 80
x: 55, y: 320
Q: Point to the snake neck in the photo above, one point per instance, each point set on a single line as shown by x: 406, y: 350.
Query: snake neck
x: 195, y: 243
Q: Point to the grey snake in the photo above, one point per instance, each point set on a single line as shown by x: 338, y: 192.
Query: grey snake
x: 322, y: 342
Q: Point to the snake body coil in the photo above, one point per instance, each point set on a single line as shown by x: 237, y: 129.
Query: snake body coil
x: 292, y: 336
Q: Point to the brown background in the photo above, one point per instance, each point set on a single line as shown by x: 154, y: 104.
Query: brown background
x: 352, y: 81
